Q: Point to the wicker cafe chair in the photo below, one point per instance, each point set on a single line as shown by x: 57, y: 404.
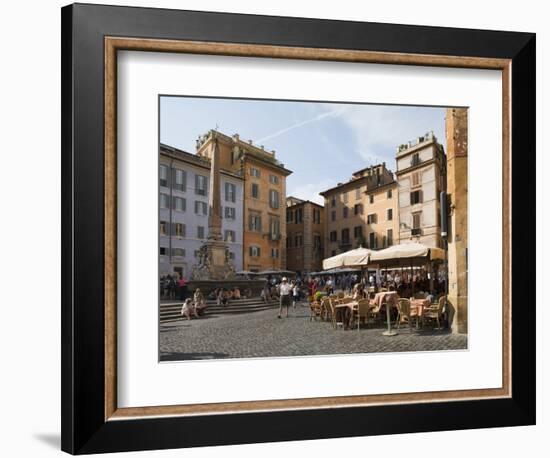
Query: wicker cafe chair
x: 340, y: 295
x: 435, y: 312
x: 375, y: 312
x: 362, y: 311
x: 325, y: 308
x: 403, y: 311
x: 315, y: 310
x: 333, y: 314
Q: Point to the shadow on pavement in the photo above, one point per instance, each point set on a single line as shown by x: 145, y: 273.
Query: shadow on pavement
x: 177, y: 356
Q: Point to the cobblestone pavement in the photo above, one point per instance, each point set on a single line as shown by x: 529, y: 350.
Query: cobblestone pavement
x: 262, y: 334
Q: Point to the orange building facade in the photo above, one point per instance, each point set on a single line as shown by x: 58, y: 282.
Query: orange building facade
x: 264, y: 213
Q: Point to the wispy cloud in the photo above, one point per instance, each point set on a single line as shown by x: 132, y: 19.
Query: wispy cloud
x: 378, y: 130
x: 333, y: 113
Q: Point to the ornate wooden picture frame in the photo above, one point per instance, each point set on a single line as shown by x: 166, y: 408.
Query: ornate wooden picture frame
x: 91, y: 419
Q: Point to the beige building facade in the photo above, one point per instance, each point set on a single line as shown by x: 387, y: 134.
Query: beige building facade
x: 304, y: 235
x: 264, y: 209
x: 421, y: 170
x: 456, y: 132
x: 362, y: 212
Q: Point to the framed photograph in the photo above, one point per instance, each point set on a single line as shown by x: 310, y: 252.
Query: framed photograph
x: 285, y: 229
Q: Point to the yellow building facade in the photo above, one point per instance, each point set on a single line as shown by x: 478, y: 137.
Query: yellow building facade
x: 456, y: 130
x: 362, y: 212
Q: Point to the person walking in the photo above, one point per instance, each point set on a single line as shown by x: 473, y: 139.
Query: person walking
x: 295, y: 294
x: 285, y: 290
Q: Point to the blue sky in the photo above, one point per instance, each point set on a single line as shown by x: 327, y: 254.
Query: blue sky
x: 322, y: 143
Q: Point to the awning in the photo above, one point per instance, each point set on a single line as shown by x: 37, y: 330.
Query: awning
x: 353, y: 258
x: 406, y: 251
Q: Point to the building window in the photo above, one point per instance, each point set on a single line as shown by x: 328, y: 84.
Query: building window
x: 273, y: 179
x: 196, y: 253
x: 289, y: 241
x: 230, y: 192
x: 345, y: 197
x: 358, y: 194
x: 316, y: 242
x: 345, y: 212
x: 333, y: 253
x: 415, y: 159
x: 389, y: 237
x: 358, y: 209
x: 201, y: 208
x: 299, y: 215
x: 416, y: 197
x: 274, y: 252
x: 316, y: 216
x: 229, y: 236
x: 163, y: 176
x: 416, y: 220
x: 254, y: 172
x: 163, y: 227
x: 371, y: 198
x: 389, y: 194
x: 178, y: 252
x: 289, y: 216
x: 163, y: 251
x: 372, y: 240
x: 333, y: 201
x: 273, y: 198
x: 164, y: 199
x: 345, y: 236
x: 200, y: 232
x: 358, y: 232
x: 372, y: 219
x: 255, y: 191
x: 333, y: 215
x: 179, y: 179
x: 298, y: 240
x: 230, y: 213
x: 274, y: 228
x: 415, y: 179
x: 231, y: 255
x: 255, y: 222
x: 201, y: 185
x: 333, y: 236
x: 254, y: 251
x: 390, y: 214
x: 178, y: 204
x: 179, y: 230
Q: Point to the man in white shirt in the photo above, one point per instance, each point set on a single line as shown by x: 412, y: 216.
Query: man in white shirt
x: 285, y: 290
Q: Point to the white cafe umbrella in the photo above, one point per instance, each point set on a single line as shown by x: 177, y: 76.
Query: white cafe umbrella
x: 406, y: 251
x: 353, y: 258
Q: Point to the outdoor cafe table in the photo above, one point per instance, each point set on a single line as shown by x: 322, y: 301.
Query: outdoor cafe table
x: 419, y: 306
x: 352, y: 305
x: 391, y: 299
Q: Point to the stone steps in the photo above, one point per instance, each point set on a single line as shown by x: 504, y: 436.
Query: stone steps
x: 170, y: 312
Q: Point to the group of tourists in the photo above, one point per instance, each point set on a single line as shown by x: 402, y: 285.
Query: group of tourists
x: 195, y: 306
x: 403, y: 281
x: 224, y: 295
x: 173, y: 287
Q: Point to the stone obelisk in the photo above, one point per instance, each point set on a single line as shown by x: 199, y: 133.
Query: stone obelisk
x: 214, y: 263
x: 214, y: 205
